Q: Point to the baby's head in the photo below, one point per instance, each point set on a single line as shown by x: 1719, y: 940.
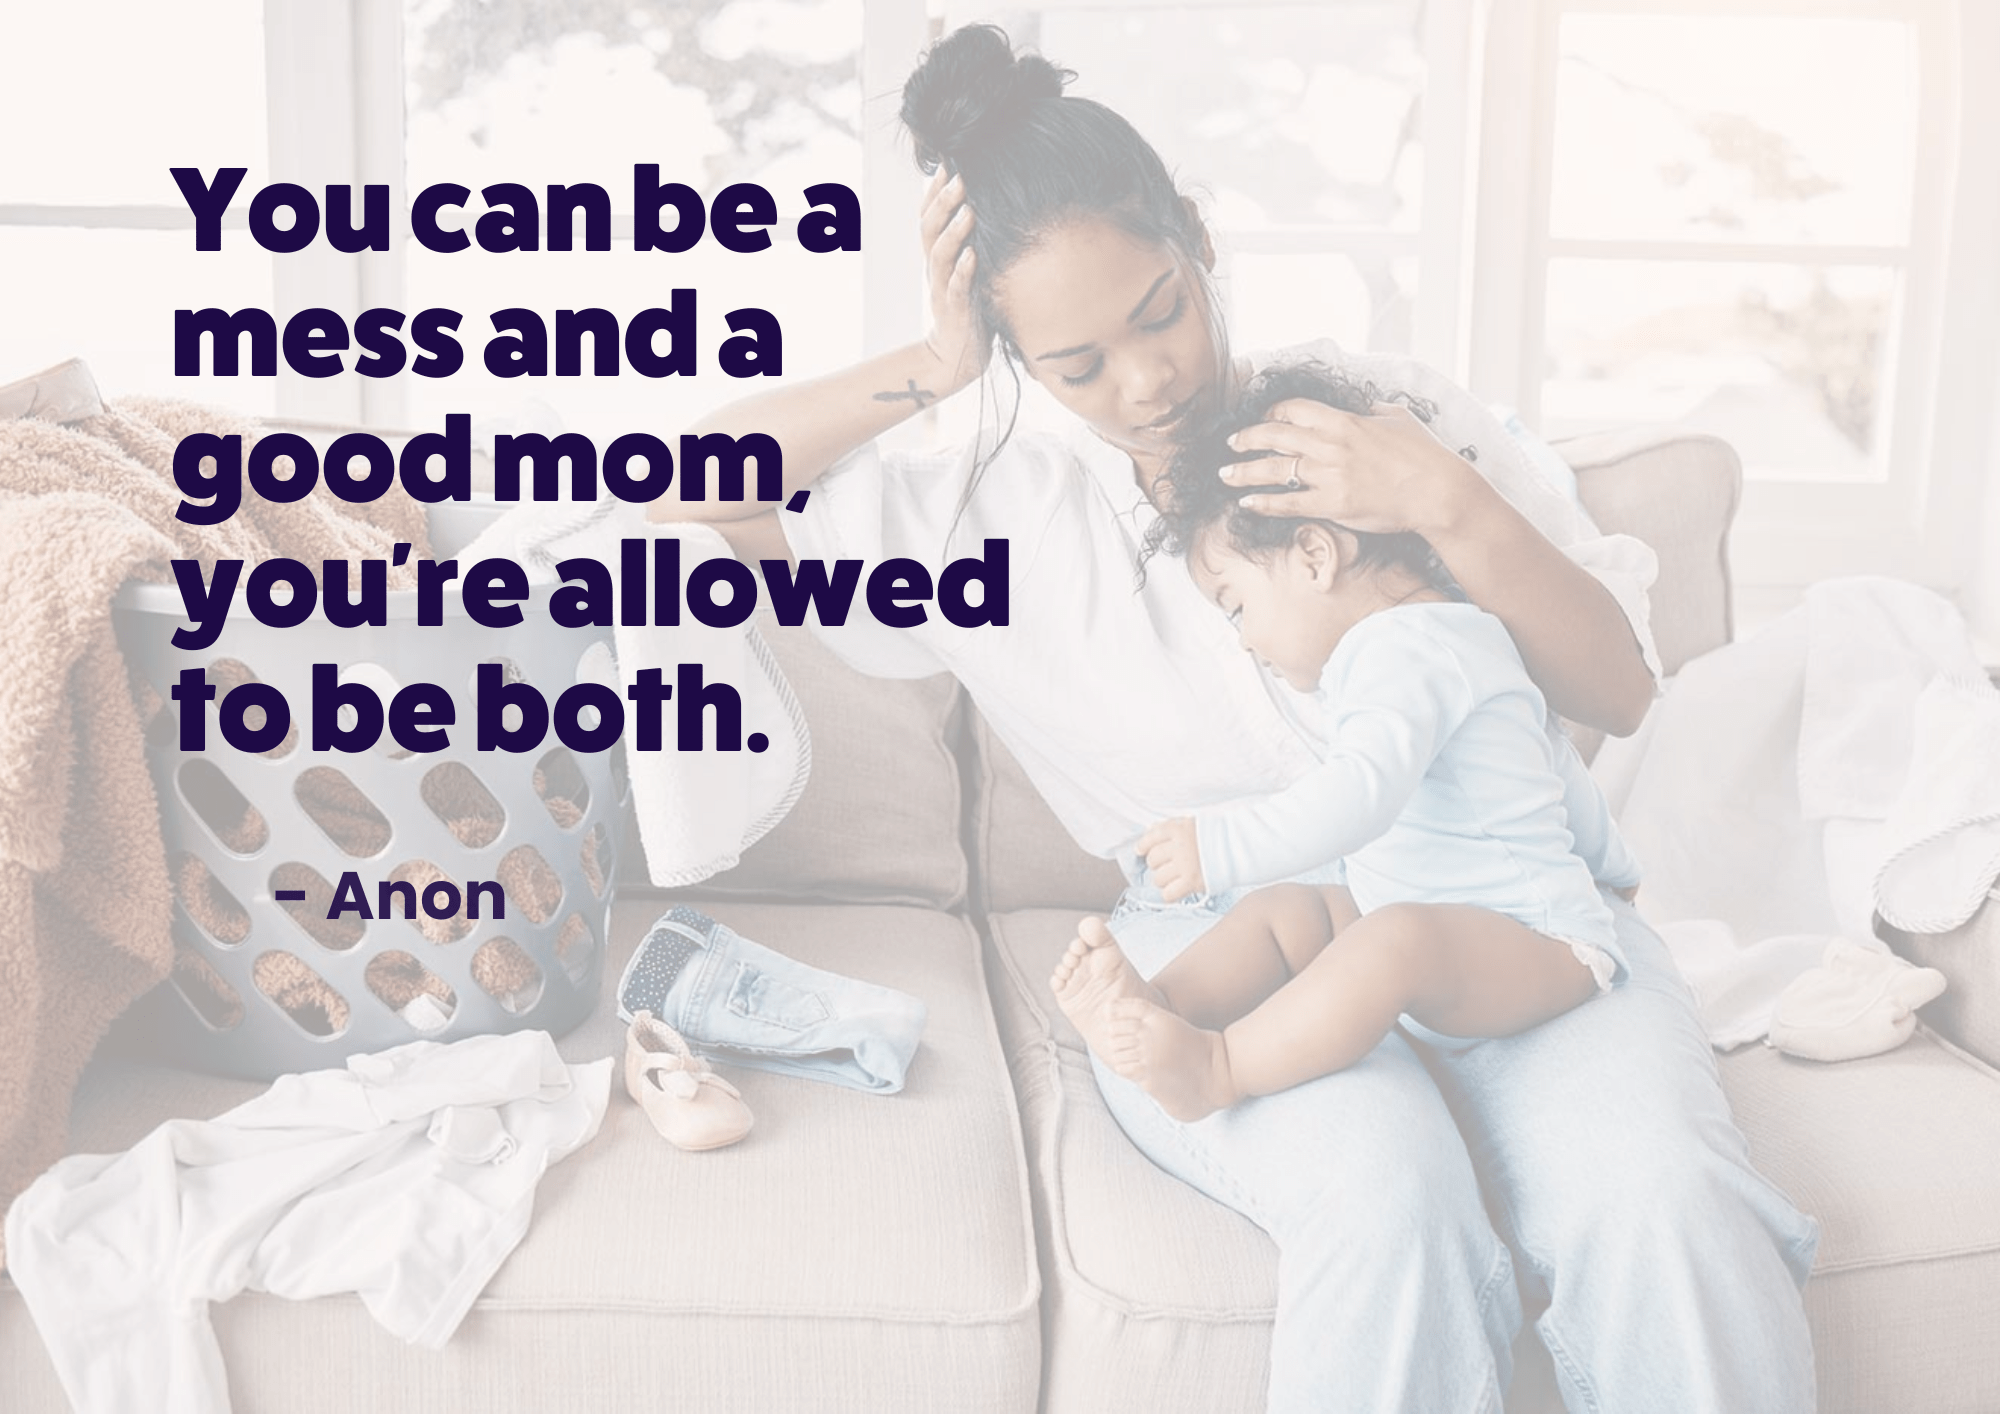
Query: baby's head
x: 1292, y: 585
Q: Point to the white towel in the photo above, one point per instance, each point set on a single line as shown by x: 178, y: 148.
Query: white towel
x: 1709, y: 795
x: 697, y: 810
x: 1944, y: 831
x: 1872, y: 644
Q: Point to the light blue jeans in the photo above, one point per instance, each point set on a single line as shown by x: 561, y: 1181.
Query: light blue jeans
x: 1615, y: 1184
x: 739, y: 1001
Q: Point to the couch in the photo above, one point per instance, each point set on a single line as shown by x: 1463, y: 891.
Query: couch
x: 987, y: 1240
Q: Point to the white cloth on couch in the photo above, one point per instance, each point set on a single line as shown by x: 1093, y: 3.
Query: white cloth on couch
x: 407, y: 1177
x: 699, y: 810
x: 1944, y: 832
x: 1737, y: 985
x: 1756, y: 794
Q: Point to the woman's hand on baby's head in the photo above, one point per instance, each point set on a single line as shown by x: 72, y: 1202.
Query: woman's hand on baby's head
x: 958, y: 338
x: 1173, y: 858
x: 1382, y: 472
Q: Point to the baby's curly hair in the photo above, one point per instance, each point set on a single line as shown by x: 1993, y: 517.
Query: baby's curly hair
x: 1194, y: 501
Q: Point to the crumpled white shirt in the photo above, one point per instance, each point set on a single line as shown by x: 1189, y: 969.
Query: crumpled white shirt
x: 406, y: 1177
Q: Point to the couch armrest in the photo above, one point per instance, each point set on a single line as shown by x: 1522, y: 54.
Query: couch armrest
x: 1968, y: 1014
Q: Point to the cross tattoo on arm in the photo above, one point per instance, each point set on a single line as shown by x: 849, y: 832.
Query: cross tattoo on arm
x: 920, y: 396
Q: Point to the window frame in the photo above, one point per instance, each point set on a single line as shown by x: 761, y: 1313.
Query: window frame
x: 333, y: 112
x: 1917, y: 522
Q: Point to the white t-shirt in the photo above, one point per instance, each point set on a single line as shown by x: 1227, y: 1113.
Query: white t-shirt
x: 1126, y: 703
x: 406, y: 1177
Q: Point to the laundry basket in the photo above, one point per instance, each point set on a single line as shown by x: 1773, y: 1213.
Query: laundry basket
x: 264, y: 984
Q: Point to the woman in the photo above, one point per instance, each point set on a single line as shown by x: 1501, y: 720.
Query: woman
x: 1617, y: 1182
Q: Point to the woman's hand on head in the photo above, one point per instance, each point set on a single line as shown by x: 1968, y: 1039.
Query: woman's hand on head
x: 958, y: 338
x: 820, y: 420
x: 1383, y: 472
x: 1173, y: 858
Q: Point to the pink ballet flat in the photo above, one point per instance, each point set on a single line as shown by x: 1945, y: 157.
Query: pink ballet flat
x: 691, y: 1106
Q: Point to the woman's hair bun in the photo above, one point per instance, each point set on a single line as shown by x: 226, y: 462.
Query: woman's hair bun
x: 970, y: 88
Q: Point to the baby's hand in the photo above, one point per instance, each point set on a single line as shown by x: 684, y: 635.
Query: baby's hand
x: 1173, y: 858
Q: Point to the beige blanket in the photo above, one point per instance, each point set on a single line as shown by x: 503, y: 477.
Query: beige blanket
x: 85, y: 899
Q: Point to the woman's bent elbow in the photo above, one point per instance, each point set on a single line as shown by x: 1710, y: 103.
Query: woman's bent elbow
x: 1626, y: 710
x: 1613, y: 700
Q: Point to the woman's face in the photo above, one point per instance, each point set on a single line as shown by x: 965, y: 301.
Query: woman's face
x: 1118, y: 329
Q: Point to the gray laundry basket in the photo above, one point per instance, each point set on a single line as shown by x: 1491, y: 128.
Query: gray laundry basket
x: 263, y: 987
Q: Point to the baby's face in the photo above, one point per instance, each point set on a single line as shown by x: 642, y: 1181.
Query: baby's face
x: 1280, y: 613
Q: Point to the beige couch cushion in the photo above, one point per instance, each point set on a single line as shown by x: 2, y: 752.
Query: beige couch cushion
x: 857, y: 1252
x: 881, y: 817
x: 1898, y: 1156
x: 1156, y: 1297
x: 1159, y: 1298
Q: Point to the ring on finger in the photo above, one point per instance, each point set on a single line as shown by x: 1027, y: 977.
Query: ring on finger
x: 1292, y: 482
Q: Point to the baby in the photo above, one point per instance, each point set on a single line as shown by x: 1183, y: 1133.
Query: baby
x: 1470, y: 840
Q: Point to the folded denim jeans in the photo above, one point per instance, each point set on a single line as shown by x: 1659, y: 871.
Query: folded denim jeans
x: 738, y: 1001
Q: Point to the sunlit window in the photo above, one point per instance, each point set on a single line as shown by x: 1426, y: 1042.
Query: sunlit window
x: 1762, y: 221
x: 90, y: 244
x: 1730, y: 207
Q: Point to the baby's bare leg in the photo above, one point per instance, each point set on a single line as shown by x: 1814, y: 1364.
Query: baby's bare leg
x: 1491, y: 976
x: 1459, y: 970
x: 1260, y: 945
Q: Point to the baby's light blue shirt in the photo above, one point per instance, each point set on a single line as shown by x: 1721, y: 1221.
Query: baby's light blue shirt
x: 1444, y: 780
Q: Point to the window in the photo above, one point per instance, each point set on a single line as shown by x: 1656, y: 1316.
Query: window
x: 92, y: 228
x: 1743, y: 219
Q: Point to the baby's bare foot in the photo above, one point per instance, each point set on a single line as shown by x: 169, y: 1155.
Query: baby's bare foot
x: 1092, y: 975
x: 1183, y: 1067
